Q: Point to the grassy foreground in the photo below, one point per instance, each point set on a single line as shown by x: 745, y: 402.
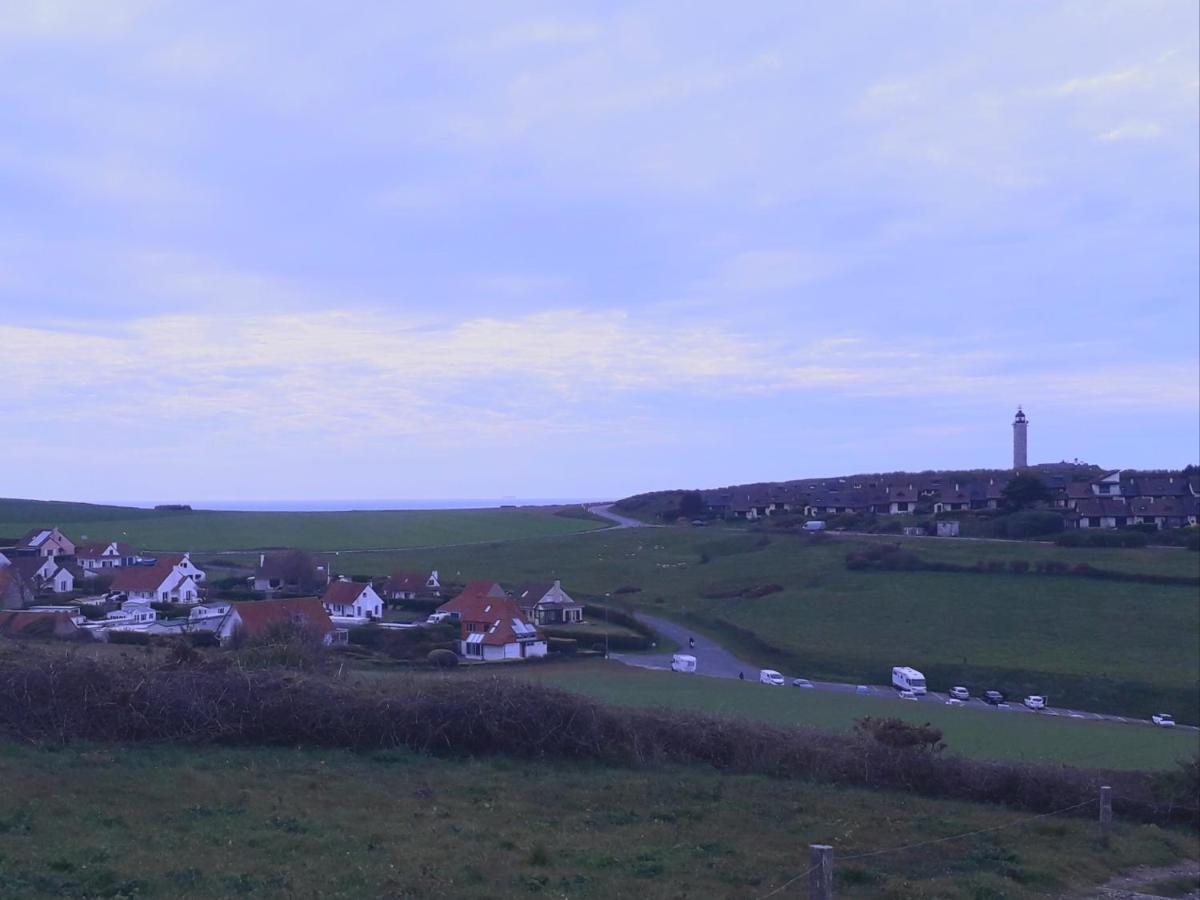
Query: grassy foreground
x: 977, y: 733
x: 211, y: 530
x: 201, y: 822
x: 1112, y: 646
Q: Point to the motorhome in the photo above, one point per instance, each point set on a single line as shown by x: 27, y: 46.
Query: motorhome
x: 814, y: 525
x: 682, y: 662
x: 906, y: 678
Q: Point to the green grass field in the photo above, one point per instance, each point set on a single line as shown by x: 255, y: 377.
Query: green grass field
x: 207, y: 530
x: 977, y: 733
x: 190, y: 822
x: 1110, y: 646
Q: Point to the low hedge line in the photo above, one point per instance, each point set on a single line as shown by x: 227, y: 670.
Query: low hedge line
x: 56, y: 699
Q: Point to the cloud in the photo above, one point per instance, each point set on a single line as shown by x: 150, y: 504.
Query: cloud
x: 346, y: 377
x: 1133, y: 131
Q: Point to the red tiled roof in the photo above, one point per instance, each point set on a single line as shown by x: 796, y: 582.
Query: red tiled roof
x: 15, y: 622
x: 344, y: 592
x: 141, y: 578
x: 96, y: 550
x: 257, y: 616
x: 406, y: 582
x: 493, y: 616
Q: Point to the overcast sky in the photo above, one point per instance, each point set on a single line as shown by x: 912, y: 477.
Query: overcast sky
x: 325, y: 250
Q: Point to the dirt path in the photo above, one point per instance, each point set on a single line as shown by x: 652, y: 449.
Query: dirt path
x: 1142, y: 884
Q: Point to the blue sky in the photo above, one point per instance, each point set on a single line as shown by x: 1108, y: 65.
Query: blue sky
x: 311, y: 250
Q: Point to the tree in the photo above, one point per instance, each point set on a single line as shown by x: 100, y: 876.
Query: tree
x: 299, y: 568
x: 1025, y: 490
x: 691, y: 504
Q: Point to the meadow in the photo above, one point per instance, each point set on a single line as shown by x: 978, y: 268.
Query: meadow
x: 216, y: 530
x: 976, y: 733
x: 1120, y: 647
x: 194, y: 822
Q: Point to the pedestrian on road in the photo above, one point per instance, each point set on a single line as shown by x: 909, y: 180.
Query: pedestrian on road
x: 741, y: 676
x: 692, y: 643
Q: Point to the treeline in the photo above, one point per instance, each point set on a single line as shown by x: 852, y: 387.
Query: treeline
x: 57, y: 699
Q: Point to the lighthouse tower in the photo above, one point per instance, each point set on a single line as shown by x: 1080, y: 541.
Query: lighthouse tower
x: 1020, y: 441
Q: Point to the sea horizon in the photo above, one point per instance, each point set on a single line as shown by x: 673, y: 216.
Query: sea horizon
x: 347, y: 505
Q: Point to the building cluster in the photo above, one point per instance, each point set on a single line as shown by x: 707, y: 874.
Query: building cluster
x: 167, y: 594
x: 1113, y: 499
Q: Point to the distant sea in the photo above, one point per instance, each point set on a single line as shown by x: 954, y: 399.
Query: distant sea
x: 338, y: 505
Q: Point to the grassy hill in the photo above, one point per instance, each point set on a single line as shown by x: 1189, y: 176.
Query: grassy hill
x: 209, y: 530
x: 163, y: 821
x: 1104, y: 645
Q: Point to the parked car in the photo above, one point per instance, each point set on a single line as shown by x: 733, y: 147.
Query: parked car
x: 802, y: 682
x: 699, y: 523
x: 995, y: 698
x: 908, y: 695
x: 862, y: 689
x: 1166, y: 720
x: 770, y: 676
x: 1033, y: 701
x: 954, y: 701
x: 958, y: 692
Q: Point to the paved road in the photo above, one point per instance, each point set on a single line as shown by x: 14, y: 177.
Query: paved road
x: 712, y: 659
x: 715, y: 661
x: 618, y: 520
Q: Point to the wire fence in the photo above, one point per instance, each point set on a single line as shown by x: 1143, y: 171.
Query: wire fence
x: 942, y: 840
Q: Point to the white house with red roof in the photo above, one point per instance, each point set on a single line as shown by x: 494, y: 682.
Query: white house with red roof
x: 44, y: 542
x: 493, y: 626
x: 159, y: 583
x: 96, y: 557
x: 410, y: 585
x: 256, y: 618
x: 352, y: 601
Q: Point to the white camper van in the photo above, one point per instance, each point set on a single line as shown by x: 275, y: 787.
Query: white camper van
x: 906, y: 678
x: 682, y: 662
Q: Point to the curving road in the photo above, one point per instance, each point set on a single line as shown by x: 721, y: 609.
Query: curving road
x: 715, y: 661
x: 619, y: 521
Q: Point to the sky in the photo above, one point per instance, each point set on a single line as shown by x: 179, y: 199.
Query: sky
x: 313, y: 250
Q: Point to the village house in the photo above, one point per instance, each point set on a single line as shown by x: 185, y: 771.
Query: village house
x: 548, y: 604
x: 1163, y: 511
x: 39, y: 623
x: 162, y: 582
x: 95, y: 557
x: 410, y: 585
x: 46, y: 574
x: 492, y: 625
x: 257, y: 618
x: 182, y: 563
x: 44, y: 542
x: 354, y: 600
x: 291, y: 571
x: 1099, y: 512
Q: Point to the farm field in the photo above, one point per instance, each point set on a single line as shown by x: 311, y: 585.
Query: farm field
x: 96, y: 821
x: 978, y: 733
x: 1118, y: 647
x: 214, y: 530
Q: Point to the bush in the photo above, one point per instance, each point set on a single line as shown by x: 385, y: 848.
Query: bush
x: 1108, y: 537
x: 1028, y: 523
x: 442, y: 659
x: 1020, y: 566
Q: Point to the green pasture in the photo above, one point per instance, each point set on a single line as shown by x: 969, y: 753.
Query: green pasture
x: 195, y: 822
x: 1113, y: 646
x: 214, y: 530
x: 979, y: 733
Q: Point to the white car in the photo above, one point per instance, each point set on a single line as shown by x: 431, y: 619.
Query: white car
x: 954, y: 701
x: 1164, y: 719
x: 908, y: 695
x: 770, y: 676
x: 958, y: 692
x: 1033, y: 701
x: 801, y: 682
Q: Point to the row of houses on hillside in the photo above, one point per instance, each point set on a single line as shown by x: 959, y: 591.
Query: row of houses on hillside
x: 1111, y: 499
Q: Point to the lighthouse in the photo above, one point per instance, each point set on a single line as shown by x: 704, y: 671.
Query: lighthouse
x: 1020, y: 441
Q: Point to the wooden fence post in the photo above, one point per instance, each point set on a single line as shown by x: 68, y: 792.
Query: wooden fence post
x: 820, y: 879
x: 1105, y: 814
